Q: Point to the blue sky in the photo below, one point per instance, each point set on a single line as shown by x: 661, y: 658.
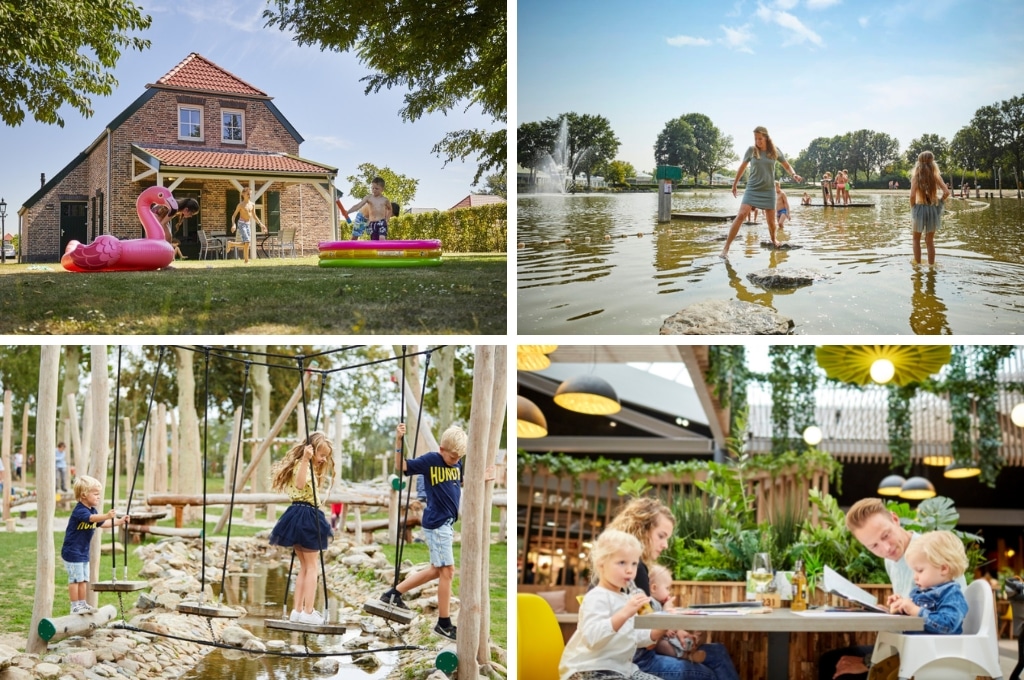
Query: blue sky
x: 802, y: 68
x: 325, y: 103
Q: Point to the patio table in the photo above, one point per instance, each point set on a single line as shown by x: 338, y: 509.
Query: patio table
x: 781, y: 625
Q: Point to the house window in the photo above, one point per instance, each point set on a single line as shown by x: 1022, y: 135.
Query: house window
x: 190, y: 123
x: 232, y: 127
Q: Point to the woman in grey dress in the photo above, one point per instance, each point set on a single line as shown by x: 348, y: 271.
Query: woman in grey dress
x: 760, y: 191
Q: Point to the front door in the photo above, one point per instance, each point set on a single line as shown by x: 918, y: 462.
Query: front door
x: 73, y: 224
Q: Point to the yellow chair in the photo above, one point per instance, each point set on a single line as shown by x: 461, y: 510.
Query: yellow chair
x: 539, y: 638
x: 1006, y: 621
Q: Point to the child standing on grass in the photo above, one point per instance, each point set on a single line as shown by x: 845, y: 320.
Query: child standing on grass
x: 75, y: 551
x: 303, y: 526
x: 442, y: 478
x: 937, y: 559
x: 605, y: 640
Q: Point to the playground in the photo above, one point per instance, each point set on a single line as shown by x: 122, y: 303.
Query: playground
x: 167, y: 604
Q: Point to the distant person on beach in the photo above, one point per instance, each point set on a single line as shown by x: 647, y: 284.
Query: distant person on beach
x: 760, y: 190
x: 925, y: 205
x: 781, y: 205
x: 840, y: 186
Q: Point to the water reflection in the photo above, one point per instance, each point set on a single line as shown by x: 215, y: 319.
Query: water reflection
x: 928, y: 313
x: 743, y: 293
x: 598, y: 264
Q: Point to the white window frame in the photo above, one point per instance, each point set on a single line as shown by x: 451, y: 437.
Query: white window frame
x: 202, y: 132
x: 223, y: 128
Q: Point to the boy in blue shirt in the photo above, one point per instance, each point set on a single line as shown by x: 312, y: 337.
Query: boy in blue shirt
x: 75, y: 551
x: 442, y: 480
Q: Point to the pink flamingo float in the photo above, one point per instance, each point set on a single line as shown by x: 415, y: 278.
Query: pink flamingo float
x: 110, y: 254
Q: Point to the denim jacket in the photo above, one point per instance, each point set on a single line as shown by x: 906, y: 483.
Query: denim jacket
x: 943, y: 608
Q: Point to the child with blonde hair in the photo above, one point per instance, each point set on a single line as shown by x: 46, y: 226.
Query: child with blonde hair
x: 680, y: 644
x: 442, y: 479
x: 84, y: 520
x: 925, y: 205
x: 937, y: 559
x: 605, y: 639
x: 303, y: 526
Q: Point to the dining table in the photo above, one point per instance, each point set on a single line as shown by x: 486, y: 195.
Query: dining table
x: 779, y: 625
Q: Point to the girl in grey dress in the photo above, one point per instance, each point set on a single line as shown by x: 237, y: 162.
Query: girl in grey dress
x: 760, y: 191
x: 925, y: 205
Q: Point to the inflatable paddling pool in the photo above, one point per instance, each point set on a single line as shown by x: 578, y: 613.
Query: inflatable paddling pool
x: 418, y: 253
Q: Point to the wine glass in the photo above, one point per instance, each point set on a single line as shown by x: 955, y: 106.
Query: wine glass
x: 761, y: 573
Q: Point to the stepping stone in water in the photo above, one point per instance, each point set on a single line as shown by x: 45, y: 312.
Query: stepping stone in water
x: 784, y: 278
x: 784, y: 246
x: 726, y: 317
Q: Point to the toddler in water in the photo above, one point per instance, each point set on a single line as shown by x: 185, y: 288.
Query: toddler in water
x: 679, y: 644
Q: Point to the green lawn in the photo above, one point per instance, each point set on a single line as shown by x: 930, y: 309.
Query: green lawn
x: 465, y: 295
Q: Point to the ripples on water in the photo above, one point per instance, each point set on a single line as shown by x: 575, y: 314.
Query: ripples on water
x: 601, y: 264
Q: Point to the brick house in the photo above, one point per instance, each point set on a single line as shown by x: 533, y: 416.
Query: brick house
x: 205, y: 134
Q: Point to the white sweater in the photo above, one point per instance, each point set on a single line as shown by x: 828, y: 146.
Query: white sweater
x: 595, y: 646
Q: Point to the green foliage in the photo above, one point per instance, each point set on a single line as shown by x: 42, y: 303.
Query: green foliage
x: 483, y: 229
x: 496, y: 185
x: 898, y: 421
x: 695, y: 519
x: 633, y: 488
x: 728, y: 377
x: 829, y: 543
x: 442, y: 57
x: 986, y: 391
x: 397, y: 188
x: 47, y: 50
x: 793, y: 380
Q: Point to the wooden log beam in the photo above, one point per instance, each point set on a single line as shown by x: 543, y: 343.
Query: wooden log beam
x: 157, y: 530
x: 53, y: 629
x: 336, y: 496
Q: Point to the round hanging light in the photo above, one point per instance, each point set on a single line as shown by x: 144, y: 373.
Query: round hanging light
x: 530, y: 420
x: 537, y: 349
x: 853, y: 363
x: 882, y: 371
x: 961, y: 470
x: 940, y: 460
x: 1017, y: 415
x: 531, y: 361
x: 588, y: 394
x: 917, y: 488
x: 891, y: 485
x: 813, y: 435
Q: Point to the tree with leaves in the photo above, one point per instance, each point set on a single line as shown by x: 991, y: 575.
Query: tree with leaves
x: 496, y: 185
x: 592, y: 140
x: 937, y: 144
x: 399, y: 188
x: 676, y: 145
x: 446, y: 55
x: 617, y: 172
x: 60, y: 52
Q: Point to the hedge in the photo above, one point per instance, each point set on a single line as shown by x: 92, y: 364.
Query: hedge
x: 483, y: 229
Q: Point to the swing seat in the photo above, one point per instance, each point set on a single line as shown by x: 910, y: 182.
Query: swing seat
x: 208, y: 610
x: 322, y: 629
x: 389, y: 611
x: 118, y: 586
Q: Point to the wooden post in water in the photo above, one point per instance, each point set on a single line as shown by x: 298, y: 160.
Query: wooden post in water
x: 664, y: 200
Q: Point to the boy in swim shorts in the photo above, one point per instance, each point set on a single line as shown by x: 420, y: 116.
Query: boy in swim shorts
x: 781, y: 205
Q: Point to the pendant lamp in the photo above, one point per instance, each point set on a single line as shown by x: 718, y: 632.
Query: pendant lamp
x: 866, y: 364
x: 1017, y: 415
x: 940, y: 460
x: 533, y: 357
x: 891, y: 485
x: 961, y: 470
x: 917, y: 488
x: 588, y: 394
x: 530, y: 420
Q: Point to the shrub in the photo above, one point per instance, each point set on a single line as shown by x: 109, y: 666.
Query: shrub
x: 483, y: 229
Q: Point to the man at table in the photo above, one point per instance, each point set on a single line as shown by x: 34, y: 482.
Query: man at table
x: 878, y: 529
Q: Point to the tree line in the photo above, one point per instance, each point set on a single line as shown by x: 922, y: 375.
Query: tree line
x: 992, y: 142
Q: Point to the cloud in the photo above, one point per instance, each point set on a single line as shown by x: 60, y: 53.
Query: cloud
x: 329, y: 142
x: 737, y: 38
x: 798, y: 32
x: 786, y: 4
x: 821, y: 4
x: 682, y: 40
x: 864, y: 21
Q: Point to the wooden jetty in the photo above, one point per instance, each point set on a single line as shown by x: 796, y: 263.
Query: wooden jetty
x: 707, y: 216
x: 839, y: 205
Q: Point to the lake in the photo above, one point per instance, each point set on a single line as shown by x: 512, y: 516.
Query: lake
x: 601, y: 264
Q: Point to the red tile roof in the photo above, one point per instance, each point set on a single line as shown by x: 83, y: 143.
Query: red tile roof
x: 228, y: 160
x: 196, y: 72
x: 475, y: 200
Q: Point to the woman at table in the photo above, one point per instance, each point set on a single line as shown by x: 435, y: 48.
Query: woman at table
x: 652, y: 524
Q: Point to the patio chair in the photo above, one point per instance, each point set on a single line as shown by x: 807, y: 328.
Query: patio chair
x: 975, y: 652
x: 540, y: 639
x: 285, y: 240
x: 208, y: 245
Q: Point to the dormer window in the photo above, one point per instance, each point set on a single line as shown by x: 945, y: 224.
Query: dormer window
x: 232, y: 126
x: 190, y: 123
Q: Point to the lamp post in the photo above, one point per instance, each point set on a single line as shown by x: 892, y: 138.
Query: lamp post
x: 3, y: 231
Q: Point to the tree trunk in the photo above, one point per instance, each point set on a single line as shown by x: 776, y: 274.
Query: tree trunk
x: 78, y: 456
x: 100, y: 447
x: 190, y: 479
x: 54, y: 629
x: 46, y: 476
x: 445, y: 386
x: 72, y: 359
x: 498, y: 397
x: 261, y: 405
x: 5, y: 452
